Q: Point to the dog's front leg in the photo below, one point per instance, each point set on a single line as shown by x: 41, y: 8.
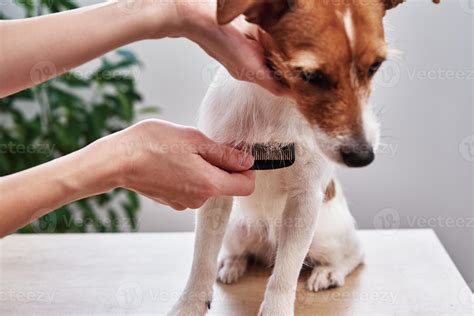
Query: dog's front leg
x: 297, y: 230
x: 211, y: 224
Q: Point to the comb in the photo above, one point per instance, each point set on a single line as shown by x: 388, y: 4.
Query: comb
x: 271, y: 156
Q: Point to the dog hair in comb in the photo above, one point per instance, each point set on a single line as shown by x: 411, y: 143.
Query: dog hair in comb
x: 271, y: 156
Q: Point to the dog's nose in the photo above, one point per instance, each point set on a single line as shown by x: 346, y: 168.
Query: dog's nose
x: 358, y: 158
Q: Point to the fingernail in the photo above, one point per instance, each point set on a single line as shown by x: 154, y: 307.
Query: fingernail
x: 246, y: 160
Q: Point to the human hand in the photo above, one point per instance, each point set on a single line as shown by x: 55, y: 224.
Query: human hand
x: 240, y: 54
x: 179, y: 166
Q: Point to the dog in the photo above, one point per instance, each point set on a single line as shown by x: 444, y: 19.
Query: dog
x: 326, y: 53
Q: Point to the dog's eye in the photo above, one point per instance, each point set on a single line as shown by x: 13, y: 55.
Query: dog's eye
x: 317, y: 78
x: 373, y: 69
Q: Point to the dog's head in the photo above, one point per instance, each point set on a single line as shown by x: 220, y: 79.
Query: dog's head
x: 326, y: 52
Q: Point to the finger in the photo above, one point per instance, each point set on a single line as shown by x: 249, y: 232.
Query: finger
x: 177, y: 206
x: 235, y: 184
x: 226, y: 157
x: 196, y: 203
x: 265, y: 77
x: 272, y: 85
x: 256, y: 69
x: 243, y: 58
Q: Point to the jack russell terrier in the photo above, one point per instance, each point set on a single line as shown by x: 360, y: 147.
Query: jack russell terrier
x: 326, y: 53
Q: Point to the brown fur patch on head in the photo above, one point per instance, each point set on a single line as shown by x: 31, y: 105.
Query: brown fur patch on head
x: 390, y: 4
x: 262, y: 12
x: 326, y: 53
x: 330, y: 191
x: 323, y: 50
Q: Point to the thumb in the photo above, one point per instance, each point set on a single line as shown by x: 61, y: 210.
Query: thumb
x: 226, y: 157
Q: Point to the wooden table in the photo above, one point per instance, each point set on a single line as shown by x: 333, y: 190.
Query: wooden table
x: 406, y: 273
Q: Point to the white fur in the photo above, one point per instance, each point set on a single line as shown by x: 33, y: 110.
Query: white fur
x: 277, y: 223
x: 305, y: 60
x: 349, y: 27
x: 371, y: 126
x: 351, y: 36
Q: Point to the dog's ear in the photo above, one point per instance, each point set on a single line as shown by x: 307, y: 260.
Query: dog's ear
x: 390, y: 4
x: 262, y: 12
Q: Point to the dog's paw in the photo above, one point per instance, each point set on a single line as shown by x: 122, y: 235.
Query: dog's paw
x: 195, y: 306
x: 231, y: 269
x: 269, y: 309
x: 323, y: 278
x: 190, y: 308
x: 277, y: 302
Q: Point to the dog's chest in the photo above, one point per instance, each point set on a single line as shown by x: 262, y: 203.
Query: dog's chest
x: 269, y: 197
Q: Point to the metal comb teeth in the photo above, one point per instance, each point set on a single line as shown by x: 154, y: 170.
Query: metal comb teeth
x: 272, y: 156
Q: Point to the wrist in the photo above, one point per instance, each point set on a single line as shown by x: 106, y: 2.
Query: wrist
x: 173, y: 18
x: 123, y: 152
x: 198, y: 26
x: 99, y: 169
x: 159, y: 18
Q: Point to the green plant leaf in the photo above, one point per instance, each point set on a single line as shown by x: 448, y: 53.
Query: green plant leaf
x: 149, y: 110
x: 28, y: 6
x: 90, y: 217
x: 114, y: 221
x: 68, y: 4
x: 130, y: 212
x: 133, y: 200
x: 129, y: 56
x: 126, y: 112
x: 73, y: 80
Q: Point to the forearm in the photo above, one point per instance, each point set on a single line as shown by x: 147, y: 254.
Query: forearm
x: 27, y: 195
x: 175, y: 165
x: 37, y: 49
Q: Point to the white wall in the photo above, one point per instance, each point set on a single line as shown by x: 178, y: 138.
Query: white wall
x: 424, y: 175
